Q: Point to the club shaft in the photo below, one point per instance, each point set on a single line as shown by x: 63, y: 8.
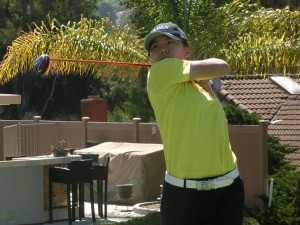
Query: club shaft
x: 100, y: 62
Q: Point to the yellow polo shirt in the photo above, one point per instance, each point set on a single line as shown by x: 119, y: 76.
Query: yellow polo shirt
x: 192, y: 124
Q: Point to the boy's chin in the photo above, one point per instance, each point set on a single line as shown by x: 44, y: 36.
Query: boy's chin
x: 167, y: 57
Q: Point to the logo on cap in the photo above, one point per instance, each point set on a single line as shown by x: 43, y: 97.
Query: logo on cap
x: 162, y: 27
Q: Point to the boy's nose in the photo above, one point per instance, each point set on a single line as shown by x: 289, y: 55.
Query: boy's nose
x: 163, y: 51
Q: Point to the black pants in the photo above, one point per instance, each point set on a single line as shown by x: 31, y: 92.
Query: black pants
x: 223, y: 206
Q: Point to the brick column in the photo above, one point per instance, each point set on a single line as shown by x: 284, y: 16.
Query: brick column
x: 94, y: 107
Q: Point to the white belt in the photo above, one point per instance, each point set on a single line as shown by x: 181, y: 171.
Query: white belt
x: 218, y: 182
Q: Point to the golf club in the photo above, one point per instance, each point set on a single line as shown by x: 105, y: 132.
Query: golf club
x: 41, y: 63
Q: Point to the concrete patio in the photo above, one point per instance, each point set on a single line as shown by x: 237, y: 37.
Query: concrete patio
x: 115, y: 214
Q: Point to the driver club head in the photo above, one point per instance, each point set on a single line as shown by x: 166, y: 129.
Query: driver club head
x: 41, y: 63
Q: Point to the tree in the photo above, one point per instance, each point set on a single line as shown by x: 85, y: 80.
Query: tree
x: 256, y: 40
x: 87, y: 39
x: 292, y: 4
x: 107, y: 10
x: 16, y: 19
x: 16, y: 16
x: 187, y: 14
x: 253, y: 39
x: 136, y: 102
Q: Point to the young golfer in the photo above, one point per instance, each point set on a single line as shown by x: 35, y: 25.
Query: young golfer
x: 202, y: 183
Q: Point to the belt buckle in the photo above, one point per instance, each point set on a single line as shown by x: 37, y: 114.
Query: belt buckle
x: 205, y: 185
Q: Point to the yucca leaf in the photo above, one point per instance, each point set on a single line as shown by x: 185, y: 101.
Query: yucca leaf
x: 86, y: 39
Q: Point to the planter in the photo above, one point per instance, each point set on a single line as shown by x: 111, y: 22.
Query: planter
x: 60, y: 153
x: 144, y: 208
x: 125, y: 190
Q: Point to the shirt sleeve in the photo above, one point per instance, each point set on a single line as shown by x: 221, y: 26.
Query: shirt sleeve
x: 170, y: 72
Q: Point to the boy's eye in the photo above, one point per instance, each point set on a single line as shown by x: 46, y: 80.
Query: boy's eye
x: 154, y: 46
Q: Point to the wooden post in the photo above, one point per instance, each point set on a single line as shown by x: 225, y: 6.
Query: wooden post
x: 36, y: 119
x: 135, y: 122
x: 263, y: 124
x: 35, y: 148
x: 85, y: 121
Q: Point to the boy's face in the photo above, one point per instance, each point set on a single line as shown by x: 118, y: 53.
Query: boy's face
x: 164, y: 47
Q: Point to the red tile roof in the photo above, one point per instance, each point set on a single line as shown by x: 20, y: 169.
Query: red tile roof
x: 271, y: 102
x: 294, y: 159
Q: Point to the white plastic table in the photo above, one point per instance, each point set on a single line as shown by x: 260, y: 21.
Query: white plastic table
x: 21, y: 188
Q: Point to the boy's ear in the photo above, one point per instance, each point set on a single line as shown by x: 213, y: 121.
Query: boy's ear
x: 187, y: 52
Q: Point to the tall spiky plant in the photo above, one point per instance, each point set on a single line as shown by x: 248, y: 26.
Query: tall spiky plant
x: 86, y: 39
x: 268, y: 42
x: 253, y: 39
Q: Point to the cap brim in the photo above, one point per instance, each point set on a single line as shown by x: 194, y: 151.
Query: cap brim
x: 155, y: 34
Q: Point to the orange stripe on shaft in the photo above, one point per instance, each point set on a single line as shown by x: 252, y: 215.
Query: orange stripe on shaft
x: 100, y: 62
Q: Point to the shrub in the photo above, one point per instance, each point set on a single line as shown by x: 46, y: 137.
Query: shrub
x: 238, y: 116
x: 285, y: 202
x: 285, y: 207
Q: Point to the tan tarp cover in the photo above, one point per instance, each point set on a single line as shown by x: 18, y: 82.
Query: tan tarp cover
x: 139, y: 164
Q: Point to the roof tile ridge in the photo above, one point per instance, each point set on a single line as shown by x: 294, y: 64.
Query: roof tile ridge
x: 232, y: 100
x: 244, y: 77
x: 293, y: 97
x: 258, y: 76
